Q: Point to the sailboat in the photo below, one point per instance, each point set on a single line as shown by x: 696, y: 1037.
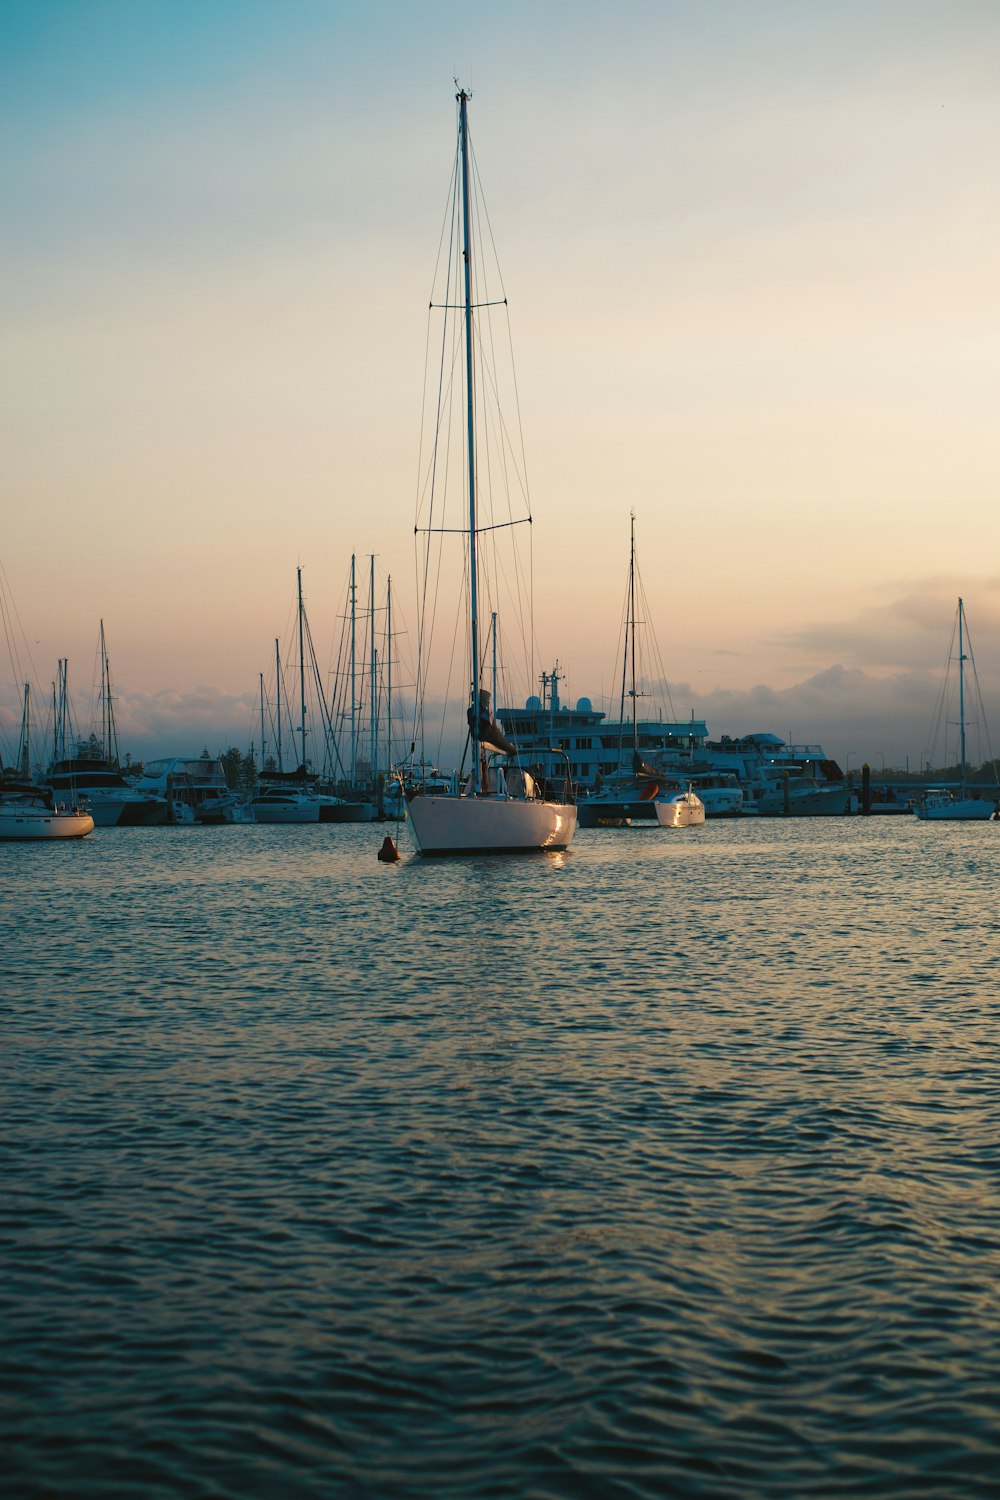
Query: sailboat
x: 28, y: 811
x: 287, y: 796
x: 940, y: 804
x: 636, y: 799
x: 501, y: 808
x: 622, y: 804
x: 91, y: 773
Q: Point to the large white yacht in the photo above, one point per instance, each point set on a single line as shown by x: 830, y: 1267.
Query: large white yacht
x: 756, y: 774
x: 111, y: 800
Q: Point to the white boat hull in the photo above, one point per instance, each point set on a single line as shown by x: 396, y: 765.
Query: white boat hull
x: 820, y: 802
x: 722, y: 802
x: 31, y: 823
x: 955, y: 810
x: 684, y: 810
x: 489, y: 825
x: 286, y: 812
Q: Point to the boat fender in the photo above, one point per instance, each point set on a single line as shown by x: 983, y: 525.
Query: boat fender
x: 388, y: 852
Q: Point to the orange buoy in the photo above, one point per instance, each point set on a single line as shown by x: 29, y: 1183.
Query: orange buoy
x: 388, y: 851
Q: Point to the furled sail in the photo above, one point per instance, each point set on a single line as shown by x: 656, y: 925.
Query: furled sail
x: 648, y: 778
x: 488, y: 733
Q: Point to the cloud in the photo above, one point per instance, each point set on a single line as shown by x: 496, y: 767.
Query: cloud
x: 856, y: 715
x: 910, y: 631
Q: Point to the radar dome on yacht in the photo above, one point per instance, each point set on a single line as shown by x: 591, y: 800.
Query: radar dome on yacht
x: 584, y: 706
x: 534, y: 702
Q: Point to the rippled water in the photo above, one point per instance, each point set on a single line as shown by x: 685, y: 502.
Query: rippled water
x: 667, y: 1166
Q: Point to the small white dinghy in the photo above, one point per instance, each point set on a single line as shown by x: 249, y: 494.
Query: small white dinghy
x: 679, y: 810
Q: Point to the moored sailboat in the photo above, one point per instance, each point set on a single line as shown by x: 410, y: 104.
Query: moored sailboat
x: 501, y: 807
x: 631, y: 800
x: 29, y: 812
x: 940, y: 804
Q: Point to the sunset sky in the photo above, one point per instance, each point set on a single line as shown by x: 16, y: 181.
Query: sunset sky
x: 752, y: 256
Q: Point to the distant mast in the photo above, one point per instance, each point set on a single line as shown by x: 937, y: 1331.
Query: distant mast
x: 277, y: 674
x: 372, y: 670
x: 961, y: 691
x: 26, y: 733
x: 302, y: 673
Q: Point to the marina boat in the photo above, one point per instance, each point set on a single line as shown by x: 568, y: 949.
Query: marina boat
x: 227, y: 807
x: 501, y: 808
x: 679, y: 810
x: 778, y: 779
x: 30, y: 812
x: 111, y: 800
x: 631, y: 797
x: 185, y: 784
x: 616, y: 809
x: 720, y: 793
x: 787, y: 793
x: 941, y: 804
x: 287, y: 797
x: 86, y: 770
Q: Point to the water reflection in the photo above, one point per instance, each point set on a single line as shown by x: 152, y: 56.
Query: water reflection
x: 676, y: 1176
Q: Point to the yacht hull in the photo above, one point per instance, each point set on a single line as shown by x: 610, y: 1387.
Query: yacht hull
x: 685, y: 810
x: 597, y: 812
x: 286, y: 812
x: 820, y: 803
x: 26, y: 823
x: 489, y: 825
x: 955, y: 810
x: 347, y: 812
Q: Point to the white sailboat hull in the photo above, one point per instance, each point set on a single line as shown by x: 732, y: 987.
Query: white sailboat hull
x: 955, y: 809
x: 683, y: 810
x: 31, y: 823
x: 489, y: 825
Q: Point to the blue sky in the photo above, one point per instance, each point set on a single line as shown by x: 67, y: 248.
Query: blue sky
x: 750, y: 252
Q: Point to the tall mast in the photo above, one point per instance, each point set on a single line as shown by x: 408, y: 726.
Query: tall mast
x: 493, y: 685
x: 388, y: 675
x: 26, y: 732
x: 373, y: 726
x: 63, y: 696
x: 277, y: 675
x: 302, y: 673
x: 631, y: 616
x: 263, y: 741
x: 354, y: 695
x: 463, y: 131
x: 961, y: 692
x: 105, y: 752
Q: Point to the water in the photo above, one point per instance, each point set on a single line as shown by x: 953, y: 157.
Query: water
x: 669, y: 1166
